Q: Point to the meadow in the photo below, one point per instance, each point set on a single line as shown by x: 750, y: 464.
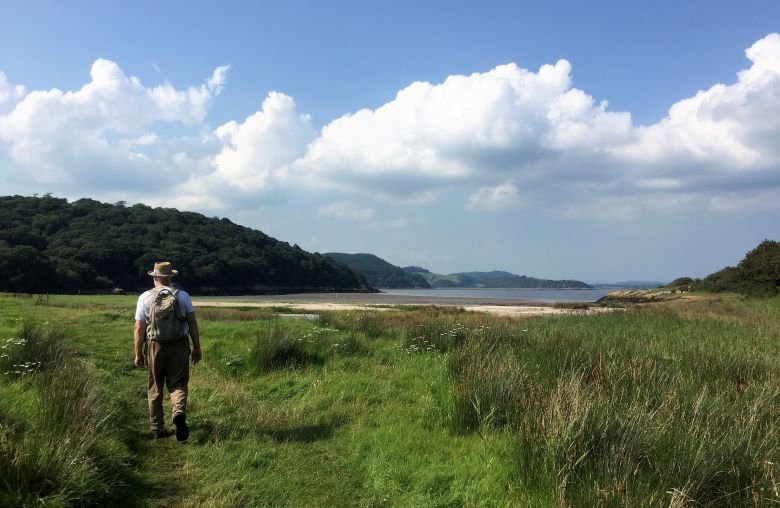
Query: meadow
x: 667, y: 404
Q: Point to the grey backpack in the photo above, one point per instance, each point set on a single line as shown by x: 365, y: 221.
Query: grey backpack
x: 166, y: 322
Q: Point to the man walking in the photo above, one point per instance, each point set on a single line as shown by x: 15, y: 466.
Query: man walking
x: 165, y: 321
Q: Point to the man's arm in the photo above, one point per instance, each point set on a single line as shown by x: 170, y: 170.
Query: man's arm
x: 197, y: 355
x: 139, y: 332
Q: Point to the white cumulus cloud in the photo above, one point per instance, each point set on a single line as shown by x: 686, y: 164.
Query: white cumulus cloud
x: 732, y: 127
x: 256, y: 153
x: 503, y: 120
x: 90, y: 137
x: 487, y: 133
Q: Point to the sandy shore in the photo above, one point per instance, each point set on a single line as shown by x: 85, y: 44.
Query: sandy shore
x: 313, y: 302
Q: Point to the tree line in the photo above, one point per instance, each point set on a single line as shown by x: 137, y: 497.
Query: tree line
x: 49, y: 244
x: 758, y: 274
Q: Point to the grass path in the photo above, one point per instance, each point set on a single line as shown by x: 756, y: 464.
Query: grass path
x: 350, y: 433
x: 162, y: 465
x: 103, y: 336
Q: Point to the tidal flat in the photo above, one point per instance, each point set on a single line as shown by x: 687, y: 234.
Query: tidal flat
x: 670, y: 403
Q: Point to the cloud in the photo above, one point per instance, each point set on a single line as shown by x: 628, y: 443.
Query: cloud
x: 91, y: 138
x: 537, y: 130
x: 487, y: 133
x: 727, y: 127
x: 504, y: 120
x: 9, y: 94
x: 346, y: 210
x: 495, y: 198
x: 256, y: 153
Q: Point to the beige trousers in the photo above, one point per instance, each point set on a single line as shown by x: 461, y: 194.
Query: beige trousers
x: 169, y: 365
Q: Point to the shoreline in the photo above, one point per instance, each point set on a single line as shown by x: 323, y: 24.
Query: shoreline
x: 382, y: 301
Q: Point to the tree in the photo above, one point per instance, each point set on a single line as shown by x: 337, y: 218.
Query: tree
x: 24, y: 269
x: 760, y: 268
x: 91, y: 245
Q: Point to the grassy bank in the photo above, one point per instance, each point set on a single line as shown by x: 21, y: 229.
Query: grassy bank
x: 674, y: 403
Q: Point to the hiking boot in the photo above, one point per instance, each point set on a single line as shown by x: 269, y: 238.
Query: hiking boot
x: 182, y: 431
x: 160, y: 434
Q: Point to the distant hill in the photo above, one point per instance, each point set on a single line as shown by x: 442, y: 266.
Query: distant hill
x: 415, y: 269
x: 628, y: 284
x: 494, y: 279
x: 757, y: 274
x: 48, y: 244
x: 378, y: 272
x: 500, y: 279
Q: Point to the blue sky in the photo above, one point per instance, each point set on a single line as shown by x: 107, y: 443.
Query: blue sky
x: 589, y: 140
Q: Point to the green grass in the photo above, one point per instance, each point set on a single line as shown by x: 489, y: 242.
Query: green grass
x: 674, y: 403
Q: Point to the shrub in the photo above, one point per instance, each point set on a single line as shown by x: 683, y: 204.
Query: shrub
x: 490, y: 386
x: 278, y: 348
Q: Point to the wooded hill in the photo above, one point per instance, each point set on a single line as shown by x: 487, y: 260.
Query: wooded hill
x: 758, y: 274
x: 378, y: 272
x: 494, y: 279
x: 48, y: 244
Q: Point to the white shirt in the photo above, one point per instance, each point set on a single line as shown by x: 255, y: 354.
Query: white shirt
x: 143, y: 307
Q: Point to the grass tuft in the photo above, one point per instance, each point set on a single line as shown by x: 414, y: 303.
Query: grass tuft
x: 56, y: 442
x: 277, y: 348
x: 35, y: 348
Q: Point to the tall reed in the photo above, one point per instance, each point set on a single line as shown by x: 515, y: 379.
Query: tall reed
x: 609, y: 411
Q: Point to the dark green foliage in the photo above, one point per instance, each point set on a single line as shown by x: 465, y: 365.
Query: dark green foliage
x: 415, y: 269
x: 761, y: 267
x: 22, y: 268
x: 378, y: 272
x: 681, y: 284
x: 48, y: 244
x: 758, y: 274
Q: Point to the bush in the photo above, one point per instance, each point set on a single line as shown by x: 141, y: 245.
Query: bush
x: 279, y: 349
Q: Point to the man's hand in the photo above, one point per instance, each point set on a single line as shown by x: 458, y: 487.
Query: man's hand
x: 197, y: 355
x: 139, y: 332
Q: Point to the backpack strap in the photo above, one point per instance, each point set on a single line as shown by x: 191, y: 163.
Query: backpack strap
x: 181, y: 313
x: 157, y: 291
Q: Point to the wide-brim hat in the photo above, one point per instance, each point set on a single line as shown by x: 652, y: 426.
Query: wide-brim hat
x: 163, y: 269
